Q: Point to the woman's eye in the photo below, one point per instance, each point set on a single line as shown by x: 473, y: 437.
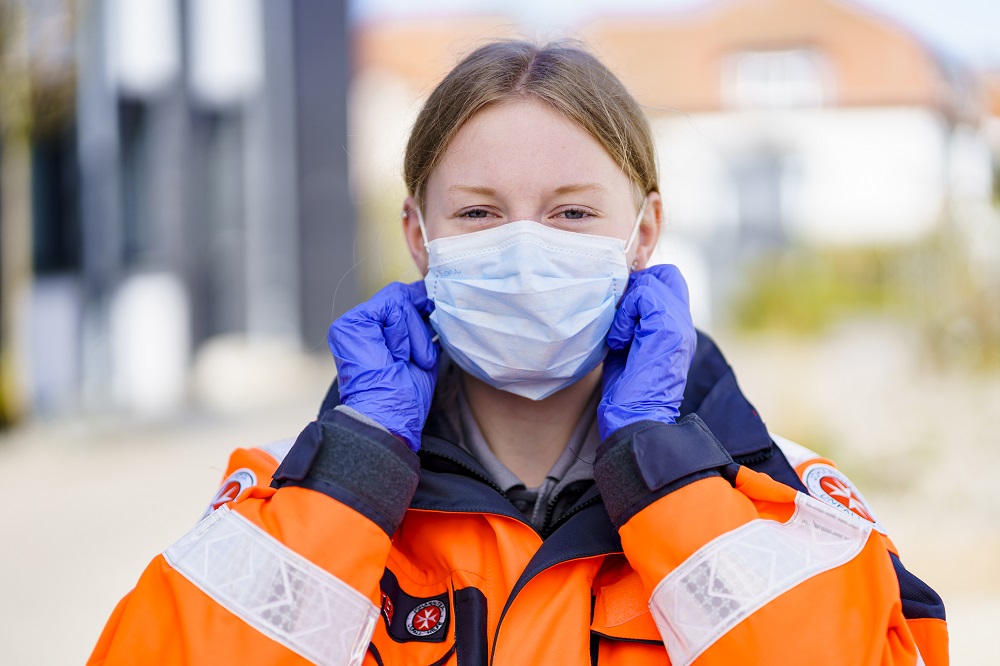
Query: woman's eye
x: 476, y: 213
x: 574, y: 214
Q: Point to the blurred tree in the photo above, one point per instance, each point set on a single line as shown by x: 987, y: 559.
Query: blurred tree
x: 15, y: 201
x: 37, y: 98
x: 929, y: 286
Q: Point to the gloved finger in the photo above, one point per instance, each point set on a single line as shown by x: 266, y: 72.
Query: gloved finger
x: 407, y: 335
x: 623, y: 324
x: 424, y: 355
x: 420, y: 336
x: 671, y: 276
x: 640, y: 300
x: 360, y: 334
x: 417, y: 293
x: 666, y: 314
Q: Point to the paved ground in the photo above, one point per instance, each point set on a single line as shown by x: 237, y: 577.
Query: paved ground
x: 90, y: 502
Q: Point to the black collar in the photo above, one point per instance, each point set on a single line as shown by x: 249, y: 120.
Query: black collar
x: 711, y: 392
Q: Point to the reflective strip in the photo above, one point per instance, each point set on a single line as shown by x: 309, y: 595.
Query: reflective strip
x: 275, y: 590
x: 736, y: 574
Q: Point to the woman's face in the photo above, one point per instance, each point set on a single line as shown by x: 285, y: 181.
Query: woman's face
x: 525, y: 161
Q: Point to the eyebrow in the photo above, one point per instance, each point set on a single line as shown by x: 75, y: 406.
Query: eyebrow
x: 474, y: 189
x: 580, y: 187
x: 563, y: 189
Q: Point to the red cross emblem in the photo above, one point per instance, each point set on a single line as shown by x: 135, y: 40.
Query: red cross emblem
x: 426, y: 618
x: 828, y: 484
x: 845, y: 494
x: 227, y: 493
x: 231, y: 488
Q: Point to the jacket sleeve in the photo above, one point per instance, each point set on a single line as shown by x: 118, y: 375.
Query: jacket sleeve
x: 286, y: 573
x: 743, y: 569
x: 922, y: 607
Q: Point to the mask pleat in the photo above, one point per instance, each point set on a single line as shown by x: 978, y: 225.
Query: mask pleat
x: 524, y: 307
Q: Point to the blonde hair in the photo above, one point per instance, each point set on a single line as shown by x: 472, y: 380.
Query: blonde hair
x: 561, y: 74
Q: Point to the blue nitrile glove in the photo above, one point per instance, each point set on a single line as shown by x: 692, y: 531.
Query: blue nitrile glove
x: 651, y: 343
x: 386, y: 359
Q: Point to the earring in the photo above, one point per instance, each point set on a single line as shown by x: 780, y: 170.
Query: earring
x: 404, y: 215
x: 635, y: 265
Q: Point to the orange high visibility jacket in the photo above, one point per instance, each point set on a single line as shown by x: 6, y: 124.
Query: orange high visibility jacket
x: 702, y: 542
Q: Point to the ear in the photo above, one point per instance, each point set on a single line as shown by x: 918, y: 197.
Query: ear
x: 649, y: 231
x: 413, y: 235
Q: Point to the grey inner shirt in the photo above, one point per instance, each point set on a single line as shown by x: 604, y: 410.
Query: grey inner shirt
x: 576, y: 463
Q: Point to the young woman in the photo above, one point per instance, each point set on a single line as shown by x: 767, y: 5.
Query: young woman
x: 531, y: 457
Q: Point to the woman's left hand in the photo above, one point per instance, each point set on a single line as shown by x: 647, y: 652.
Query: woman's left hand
x: 387, y: 360
x: 651, y: 341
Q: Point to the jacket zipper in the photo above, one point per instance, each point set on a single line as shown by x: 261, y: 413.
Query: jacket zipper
x: 566, y: 516
x: 472, y: 471
x: 753, y: 459
x: 548, y: 512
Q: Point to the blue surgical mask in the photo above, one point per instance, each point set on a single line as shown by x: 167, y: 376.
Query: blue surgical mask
x: 523, y: 306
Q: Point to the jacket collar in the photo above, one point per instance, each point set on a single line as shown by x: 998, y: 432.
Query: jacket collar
x: 711, y: 392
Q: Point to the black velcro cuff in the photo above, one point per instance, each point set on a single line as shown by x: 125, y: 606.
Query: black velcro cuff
x: 666, y: 453
x: 356, y: 464
x: 647, y: 460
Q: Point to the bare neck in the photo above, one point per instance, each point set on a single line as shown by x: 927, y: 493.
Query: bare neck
x: 528, y: 436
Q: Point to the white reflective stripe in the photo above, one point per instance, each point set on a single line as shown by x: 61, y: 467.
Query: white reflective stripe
x: 275, y: 590
x: 734, y: 575
x: 796, y: 454
x: 278, y: 450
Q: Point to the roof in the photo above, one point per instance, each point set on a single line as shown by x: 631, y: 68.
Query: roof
x: 676, y: 60
x: 421, y: 51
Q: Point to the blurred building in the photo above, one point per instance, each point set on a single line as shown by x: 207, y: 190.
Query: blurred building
x: 778, y: 123
x: 178, y: 172
x: 190, y: 184
x: 803, y: 122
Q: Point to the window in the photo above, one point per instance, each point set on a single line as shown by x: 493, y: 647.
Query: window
x: 775, y: 79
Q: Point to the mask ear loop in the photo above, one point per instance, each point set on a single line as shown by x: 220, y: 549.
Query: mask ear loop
x: 423, y: 232
x: 635, y: 228
x: 423, y: 229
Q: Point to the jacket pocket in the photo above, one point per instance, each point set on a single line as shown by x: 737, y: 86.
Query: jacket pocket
x: 470, y: 627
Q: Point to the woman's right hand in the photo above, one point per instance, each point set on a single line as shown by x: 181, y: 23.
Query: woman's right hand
x: 387, y: 359
x: 651, y: 343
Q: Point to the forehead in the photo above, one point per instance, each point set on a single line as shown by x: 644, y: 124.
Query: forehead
x: 525, y: 144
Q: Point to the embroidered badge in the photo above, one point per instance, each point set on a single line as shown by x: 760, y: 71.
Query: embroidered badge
x: 427, y: 618
x: 387, y: 608
x: 231, y: 488
x: 833, y: 487
x: 408, y: 618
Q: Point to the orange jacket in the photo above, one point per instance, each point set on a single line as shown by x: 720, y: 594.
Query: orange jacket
x: 698, y: 544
